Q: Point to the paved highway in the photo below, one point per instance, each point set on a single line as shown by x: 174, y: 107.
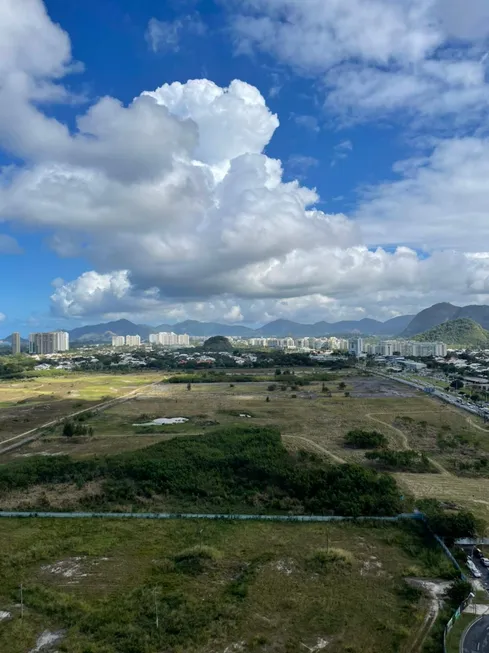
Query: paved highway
x: 476, y: 638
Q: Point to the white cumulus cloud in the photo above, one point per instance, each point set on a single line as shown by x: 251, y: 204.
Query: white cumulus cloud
x: 181, y: 213
x: 377, y: 55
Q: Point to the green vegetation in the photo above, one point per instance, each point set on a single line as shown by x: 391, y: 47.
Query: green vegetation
x: 71, y: 428
x: 213, y: 585
x: 460, y: 333
x: 405, y: 461
x: 218, y: 343
x: 450, y: 525
x: 360, y: 439
x: 12, y: 367
x: 234, y: 468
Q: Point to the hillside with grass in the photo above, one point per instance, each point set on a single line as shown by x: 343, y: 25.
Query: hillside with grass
x: 459, y: 333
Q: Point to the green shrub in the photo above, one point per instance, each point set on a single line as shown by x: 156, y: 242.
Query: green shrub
x: 406, y: 461
x: 360, y: 439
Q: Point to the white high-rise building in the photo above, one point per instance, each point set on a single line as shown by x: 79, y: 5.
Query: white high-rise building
x: 355, y: 346
x: 49, y: 343
x: 16, y: 343
x: 118, y: 341
x: 133, y: 341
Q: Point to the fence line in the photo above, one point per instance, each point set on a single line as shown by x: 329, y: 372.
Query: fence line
x: 217, y: 516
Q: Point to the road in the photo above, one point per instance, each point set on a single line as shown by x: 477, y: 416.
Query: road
x: 439, y: 394
x: 476, y: 637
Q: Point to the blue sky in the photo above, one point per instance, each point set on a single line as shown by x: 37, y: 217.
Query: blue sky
x: 343, y: 176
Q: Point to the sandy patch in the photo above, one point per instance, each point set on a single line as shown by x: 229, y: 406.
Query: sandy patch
x: 160, y: 421
x: 286, y: 567
x: 372, y: 566
x: 46, y: 640
x: 73, y: 569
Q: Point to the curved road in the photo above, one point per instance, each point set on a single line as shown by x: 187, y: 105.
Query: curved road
x: 476, y: 637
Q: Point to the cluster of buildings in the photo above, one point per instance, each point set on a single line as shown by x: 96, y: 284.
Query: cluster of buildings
x: 50, y: 342
x: 296, y: 343
x: 126, y: 341
x: 358, y: 347
x: 169, y: 338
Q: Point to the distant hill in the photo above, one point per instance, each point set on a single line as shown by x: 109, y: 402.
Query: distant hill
x: 104, y: 332
x: 366, y: 326
x: 440, y: 313
x: 457, y: 333
x: 278, y: 328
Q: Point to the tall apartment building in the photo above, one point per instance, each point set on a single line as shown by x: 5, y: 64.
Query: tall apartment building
x: 355, y: 346
x: 169, y: 338
x: 49, y: 343
x: 16, y: 343
x: 118, y: 341
x: 133, y: 341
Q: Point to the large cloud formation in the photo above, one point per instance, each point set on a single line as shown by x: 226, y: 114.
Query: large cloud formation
x: 378, y: 56
x: 177, y: 207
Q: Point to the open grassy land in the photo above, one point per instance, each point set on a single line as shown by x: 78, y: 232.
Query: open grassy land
x: 216, y: 586
x: 30, y: 403
x: 307, y: 417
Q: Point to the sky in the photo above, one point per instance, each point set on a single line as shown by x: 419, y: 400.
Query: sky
x: 241, y: 160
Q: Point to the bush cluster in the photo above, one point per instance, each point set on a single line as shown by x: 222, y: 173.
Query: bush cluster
x: 227, y: 469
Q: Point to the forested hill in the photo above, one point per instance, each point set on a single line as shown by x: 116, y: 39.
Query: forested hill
x: 459, y: 333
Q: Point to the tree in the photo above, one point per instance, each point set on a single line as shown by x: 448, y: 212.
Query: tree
x: 278, y: 371
x: 347, y: 394
x: 457, y: 384
x: 68, y: 429
x: 457, y: 592
x: 342, y: 385
x: 189, y: 386
x: 267, y: 399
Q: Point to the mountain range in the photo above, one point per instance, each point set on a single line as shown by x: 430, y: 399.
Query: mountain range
x: 278, y: 328
x: 405, y: 326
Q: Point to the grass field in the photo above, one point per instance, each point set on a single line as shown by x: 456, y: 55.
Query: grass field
x: 28, y: 404
x: 217, y: 586
x: 309, y: 420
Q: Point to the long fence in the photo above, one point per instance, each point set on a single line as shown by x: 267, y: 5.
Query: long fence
x: 216, y: 516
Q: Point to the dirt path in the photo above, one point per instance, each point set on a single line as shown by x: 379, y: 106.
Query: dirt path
x: 434, y: 592
x: 401, y: 434
x: 317, y: 446
x: 476, y: 426
x: 405, y: 441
